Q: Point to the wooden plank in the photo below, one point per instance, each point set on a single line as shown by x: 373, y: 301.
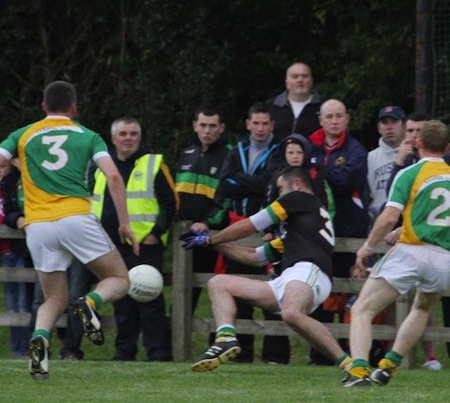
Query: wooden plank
x: 23, y: 319
x: 342, y: 244
x: 339, y: 330
x: 15, y: 274
x: 9, y: 233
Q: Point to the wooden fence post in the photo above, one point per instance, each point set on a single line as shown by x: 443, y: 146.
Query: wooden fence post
x: 181, y: 296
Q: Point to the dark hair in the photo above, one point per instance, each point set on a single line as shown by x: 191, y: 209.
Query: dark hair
x: 208, y: 110
x: 59, y: 96
x: 435, y: 136
x: 290, y: 173
x: 260, y: 107
x: 417, y: 116
x: 304, y: 144
x: 125, y: 119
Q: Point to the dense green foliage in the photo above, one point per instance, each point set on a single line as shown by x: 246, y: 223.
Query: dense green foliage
x: 157, y: 60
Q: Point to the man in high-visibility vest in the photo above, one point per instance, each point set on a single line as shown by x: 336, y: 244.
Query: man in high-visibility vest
x: 152, y: 204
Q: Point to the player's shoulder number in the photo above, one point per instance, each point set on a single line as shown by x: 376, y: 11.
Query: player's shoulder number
x: 56, y: 149
x: 440, y: 215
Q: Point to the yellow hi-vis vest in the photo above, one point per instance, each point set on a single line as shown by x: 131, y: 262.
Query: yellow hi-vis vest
x: 142, y: 205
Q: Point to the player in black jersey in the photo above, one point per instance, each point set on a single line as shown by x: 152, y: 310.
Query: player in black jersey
x: 305, y: 250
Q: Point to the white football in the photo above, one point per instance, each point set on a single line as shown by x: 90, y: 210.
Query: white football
x: 146, y: 283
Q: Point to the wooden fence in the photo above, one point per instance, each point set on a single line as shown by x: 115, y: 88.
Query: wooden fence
x: 183, y: 279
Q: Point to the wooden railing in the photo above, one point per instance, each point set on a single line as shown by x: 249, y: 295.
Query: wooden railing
x: 183, y: 279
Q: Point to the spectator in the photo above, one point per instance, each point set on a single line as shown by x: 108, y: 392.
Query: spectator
x: 14, y: 253
x: 419, y: 260
x: 295, y: 150
x: 243, y: 184
x: 305, y: 280
x: 54, y: 154
x: 380, y: 162
x: 407, y: 152
x: 197, y: 174
x: 296, y: 109
x: 344, y: 160
x: 152, y: 204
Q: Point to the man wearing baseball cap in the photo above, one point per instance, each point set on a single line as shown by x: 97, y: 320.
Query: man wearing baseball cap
x: 394, y: 112
x: 391, y: 126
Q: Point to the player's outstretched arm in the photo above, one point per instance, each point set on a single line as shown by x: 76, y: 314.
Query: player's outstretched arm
x: 242, y: 254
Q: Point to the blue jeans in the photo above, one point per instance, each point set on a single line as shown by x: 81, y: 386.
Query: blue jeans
x: 17, y: 300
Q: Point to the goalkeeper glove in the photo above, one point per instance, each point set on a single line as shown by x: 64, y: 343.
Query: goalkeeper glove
x: 193, y: 240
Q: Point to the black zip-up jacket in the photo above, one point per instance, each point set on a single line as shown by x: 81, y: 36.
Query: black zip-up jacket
x: 285, y: 122
x: 197, y: 175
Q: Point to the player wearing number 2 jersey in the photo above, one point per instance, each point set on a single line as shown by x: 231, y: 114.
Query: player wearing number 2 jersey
x: 54, y: 154
x: 427, y: 203
x: 421, y: 258
x: 305, y: 281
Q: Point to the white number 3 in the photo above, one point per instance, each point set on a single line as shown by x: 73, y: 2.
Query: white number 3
x: 56, y: 143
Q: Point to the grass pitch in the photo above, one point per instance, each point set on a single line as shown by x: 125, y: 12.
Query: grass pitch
x: 97, y: 378
x: 174, y: 382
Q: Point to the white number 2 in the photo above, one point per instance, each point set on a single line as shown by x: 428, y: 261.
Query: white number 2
x: 432, y: 218
x: 56, y: 143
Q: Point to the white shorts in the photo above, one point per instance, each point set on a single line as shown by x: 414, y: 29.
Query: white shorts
x: 53, y: 244
x: 426, y: 267
x: 307, y: 273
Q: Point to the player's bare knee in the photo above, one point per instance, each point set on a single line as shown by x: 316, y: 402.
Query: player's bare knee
x: 58, y: 302
x: 292, y: 316
x: 217, y: 282
x: 360, y: 308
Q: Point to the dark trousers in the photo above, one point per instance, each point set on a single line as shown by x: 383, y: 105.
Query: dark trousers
x: 275, y: 348
x: 133, y: 317
x: 203, y: 261
x: 445, y: 301
x: 80, y: 280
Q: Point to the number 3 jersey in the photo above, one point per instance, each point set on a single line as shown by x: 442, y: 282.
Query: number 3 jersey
x: 54, y: 154
x: 422, y: 192
x: 308, y: 235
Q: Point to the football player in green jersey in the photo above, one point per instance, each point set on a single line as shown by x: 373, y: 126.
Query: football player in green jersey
x: 420, y: 259
x: 54, y: 154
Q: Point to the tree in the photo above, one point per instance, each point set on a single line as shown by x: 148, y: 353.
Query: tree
x: 157, y: 60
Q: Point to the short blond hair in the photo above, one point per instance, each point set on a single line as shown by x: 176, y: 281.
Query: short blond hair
x: 435, y: 136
